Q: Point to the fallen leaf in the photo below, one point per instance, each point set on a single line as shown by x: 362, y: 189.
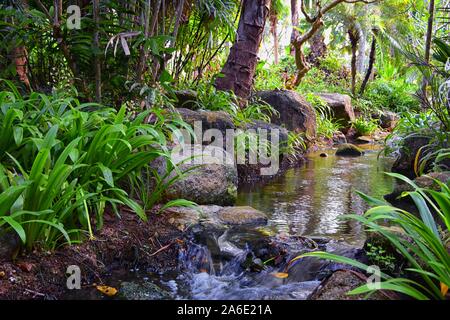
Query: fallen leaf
x: 25, y: 266
x: 107, y: 291
x: 281, y: 275
x: 444, y: 289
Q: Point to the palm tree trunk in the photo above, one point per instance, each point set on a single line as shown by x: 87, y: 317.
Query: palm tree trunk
x: 372, y: 57
x: 428, y: 40
x: 240, y: 66
x: 354, y: 39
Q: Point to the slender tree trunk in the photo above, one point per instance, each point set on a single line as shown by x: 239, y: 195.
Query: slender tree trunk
x: 97, y: 62
x: 239, y: 69
x: 361, y: 59
x: 428, y: 40
x: 274, y: 31
x: 294, y: 20
x: 354, y: 39
x: 19, y: 57
x: 372, y: 57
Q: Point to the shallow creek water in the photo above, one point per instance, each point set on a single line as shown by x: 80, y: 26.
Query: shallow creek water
x: 305, y: 201
x: 308, y: 200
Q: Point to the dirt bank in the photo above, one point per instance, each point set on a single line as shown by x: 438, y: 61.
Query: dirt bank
x: 121, y: 244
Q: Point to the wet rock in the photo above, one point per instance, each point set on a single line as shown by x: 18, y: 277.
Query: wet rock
x: 295, y: 113
x: 242, y: 215
x: 251, y: 171
x: 142, y: 291
x: 216, y: 217
x: 377, y: 241
x: 184, y: 218
x: 404, y: 164
x: 364, y: 139
x: 252, y: 264
x: 425, y: 181
x: 349, y: 150
x: 388, y: 120
x: 341, y: 107
x: 257, y: 125
x: 311, y: 268
x: 186, y: 99
x: 336, y: 286
x: 210, y: 175
x: 339, y: 138
x: 219, y: 120
x: 9, y: 245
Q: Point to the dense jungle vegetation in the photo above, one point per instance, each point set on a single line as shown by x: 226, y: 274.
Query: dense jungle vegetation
x: 87, y: 104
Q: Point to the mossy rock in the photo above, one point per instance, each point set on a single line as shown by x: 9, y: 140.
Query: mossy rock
x: 349, y: 150
x: 242, y: 215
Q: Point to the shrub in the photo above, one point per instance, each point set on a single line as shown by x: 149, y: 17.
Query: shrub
x: 62, y: 165
x: 364, y: 127
x: 326, y: 125
x: 395, y: 95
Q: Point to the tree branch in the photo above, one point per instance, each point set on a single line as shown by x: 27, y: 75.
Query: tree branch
x: 307, y: 17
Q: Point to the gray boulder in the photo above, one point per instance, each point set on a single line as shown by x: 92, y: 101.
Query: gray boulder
x: 388, y: 120
x: 208, y: 175
x: 215, y: 217
x: 341, y: 107
x: 295, y: 113
x: 219, y: 120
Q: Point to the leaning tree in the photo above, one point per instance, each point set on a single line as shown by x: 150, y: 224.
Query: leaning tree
x: 315, y: 23
x: 239, y: 69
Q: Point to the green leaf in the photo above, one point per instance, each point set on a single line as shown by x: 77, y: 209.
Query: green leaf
x: 18, y: 135
x: 107, y: 174
x: 17, y: 227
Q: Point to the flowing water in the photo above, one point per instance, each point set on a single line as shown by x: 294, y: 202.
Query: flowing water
x: 305, y: 201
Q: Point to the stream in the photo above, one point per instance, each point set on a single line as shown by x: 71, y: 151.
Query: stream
x: 304, y: 202
x: 308, y: 200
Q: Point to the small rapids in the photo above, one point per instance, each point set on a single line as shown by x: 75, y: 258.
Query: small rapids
x: 231, y: 279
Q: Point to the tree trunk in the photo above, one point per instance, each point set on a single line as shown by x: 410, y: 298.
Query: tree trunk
x: 361, y: 59
x: 428, y: 39
x: 354, y: 39
x: 318, y: 48
x: 294, y: 20
x: 274, y: 31
x: 97, y: 62
x: 20, y: 58
x: 241, y: 63
x: 372, y: 56
x: 300, y: 60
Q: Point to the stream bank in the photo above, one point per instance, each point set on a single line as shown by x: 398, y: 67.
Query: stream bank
x: 224, y: 253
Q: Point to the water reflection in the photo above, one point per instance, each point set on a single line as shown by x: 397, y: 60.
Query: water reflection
x: 308, y: 200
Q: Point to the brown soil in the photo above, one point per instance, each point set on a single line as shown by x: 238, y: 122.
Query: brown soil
x: 122, y: 243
